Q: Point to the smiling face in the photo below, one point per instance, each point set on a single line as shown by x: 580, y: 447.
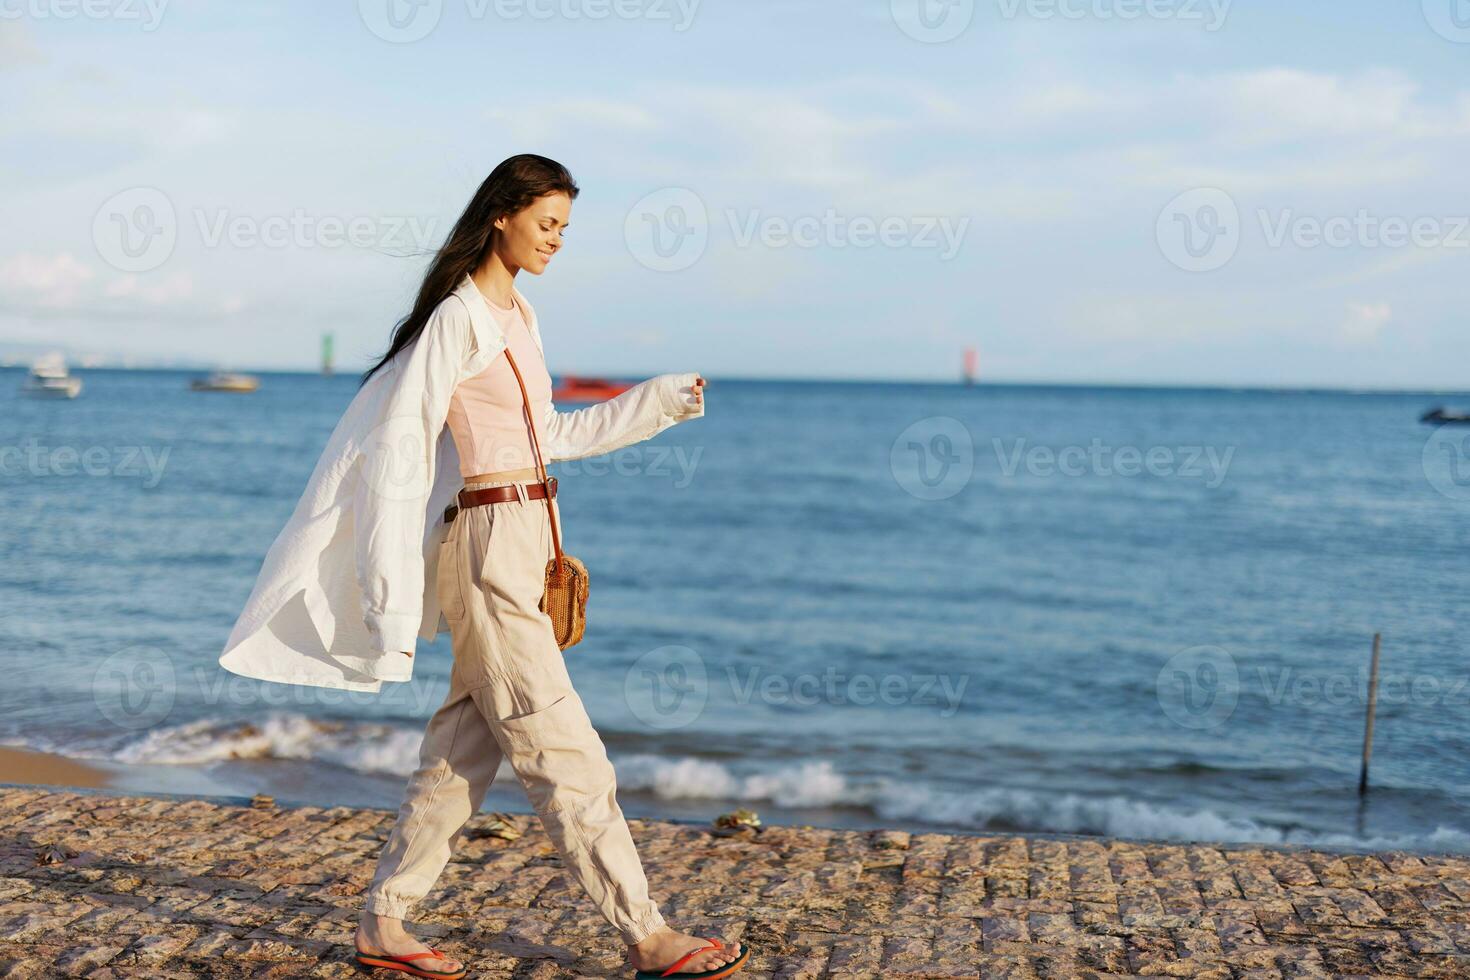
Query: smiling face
x: 529, y: 238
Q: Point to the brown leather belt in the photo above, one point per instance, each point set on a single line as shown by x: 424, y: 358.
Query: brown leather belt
x: 498, y: 495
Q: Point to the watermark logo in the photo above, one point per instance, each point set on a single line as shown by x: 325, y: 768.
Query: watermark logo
x: 1450, y: 19
x: 401, y: 21
x: 667, y: 688
x: 933, y: 458
x: 395, y: 455
x: 1199, y: 687
x: 932, y: 21
x: 668, y: 230
x: 136, y: 230
x: 135, y: 688
x: 1199, y: 231
x: 1446, y: 460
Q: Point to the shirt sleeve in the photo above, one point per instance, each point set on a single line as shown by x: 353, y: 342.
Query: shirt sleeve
x: 641, y: 412
x: 397, y: 457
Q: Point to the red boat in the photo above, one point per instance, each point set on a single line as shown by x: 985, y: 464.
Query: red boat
x: 575, y: 389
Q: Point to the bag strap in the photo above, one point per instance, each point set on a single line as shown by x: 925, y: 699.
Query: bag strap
x: 540, y: 466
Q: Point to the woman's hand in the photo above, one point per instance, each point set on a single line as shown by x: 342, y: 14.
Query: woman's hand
x: 698, y: 390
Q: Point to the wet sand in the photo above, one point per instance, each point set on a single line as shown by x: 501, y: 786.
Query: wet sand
x: 44, y: 769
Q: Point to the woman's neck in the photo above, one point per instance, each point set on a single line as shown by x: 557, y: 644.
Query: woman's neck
x: 496, y: 283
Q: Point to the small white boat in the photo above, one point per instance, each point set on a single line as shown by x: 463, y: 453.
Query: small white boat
x: 226, y: 381
x: 49, y: 378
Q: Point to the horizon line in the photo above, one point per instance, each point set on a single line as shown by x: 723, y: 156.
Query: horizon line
x: 814, y: 379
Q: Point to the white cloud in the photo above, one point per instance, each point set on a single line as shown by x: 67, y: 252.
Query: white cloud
x: 1282, y: 103
x: 153, y: 290
x: 17, y: 48
x: 60, y: 283
x: 1364, y: 322
x: 51, y: 281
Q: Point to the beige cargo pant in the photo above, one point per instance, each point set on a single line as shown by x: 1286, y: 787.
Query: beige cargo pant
x: 510, y: 697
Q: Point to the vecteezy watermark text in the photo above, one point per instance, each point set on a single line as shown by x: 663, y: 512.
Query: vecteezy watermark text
x: 668, y: 230
x: 302, y: 230
x: 31, y: 458
x: 668, y: 688
x: 137, y: 229
x: 406, y: 21
x: 833, y: 687
x: 833, y: 230
x: 1210, y: 14
x: 1201, y: 230
x: 137, y: 687
x: 652, y: 461
x: 1098, y: 458
x: 1200, y: 687
x: 147, y: 13
x: 937, y: 21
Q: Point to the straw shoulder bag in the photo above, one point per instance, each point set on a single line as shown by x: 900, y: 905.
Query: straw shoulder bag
x: 565, y: 595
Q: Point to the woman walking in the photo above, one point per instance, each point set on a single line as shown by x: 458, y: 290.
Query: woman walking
x: 468, y: 358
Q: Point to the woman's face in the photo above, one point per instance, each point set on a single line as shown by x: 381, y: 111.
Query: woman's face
x: 532, y: 235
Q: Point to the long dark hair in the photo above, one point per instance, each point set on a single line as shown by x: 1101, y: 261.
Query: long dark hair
x: 512, y: 185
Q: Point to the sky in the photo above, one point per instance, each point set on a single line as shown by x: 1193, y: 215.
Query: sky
x: 1113, y: 191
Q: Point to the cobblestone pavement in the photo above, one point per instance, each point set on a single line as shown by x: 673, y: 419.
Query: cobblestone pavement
x: 100, y: 885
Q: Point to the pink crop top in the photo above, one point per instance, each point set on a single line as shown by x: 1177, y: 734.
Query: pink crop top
x: 486, y: 413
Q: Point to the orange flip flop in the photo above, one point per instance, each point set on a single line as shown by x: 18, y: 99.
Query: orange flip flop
x: 404, y: 964
x: 719, y: 971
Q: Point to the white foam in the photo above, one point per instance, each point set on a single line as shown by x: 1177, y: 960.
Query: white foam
x: 817, y: 784
x: 361, y: 746
x: 376, y: 747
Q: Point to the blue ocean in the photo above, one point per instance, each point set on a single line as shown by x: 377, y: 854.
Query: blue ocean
x: 1132, y: 612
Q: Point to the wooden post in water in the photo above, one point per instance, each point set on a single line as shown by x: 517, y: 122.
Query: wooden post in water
x: 1372, y: 705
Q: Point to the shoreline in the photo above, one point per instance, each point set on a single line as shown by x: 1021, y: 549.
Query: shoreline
x: 119, y: 788
x: 113, y: 885
x: 24, y: 768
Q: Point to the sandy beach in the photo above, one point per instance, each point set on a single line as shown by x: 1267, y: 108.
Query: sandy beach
x: 44, y: 769
x: 107, y: 885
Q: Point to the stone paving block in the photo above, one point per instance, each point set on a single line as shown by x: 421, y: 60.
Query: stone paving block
x: 135, y: 886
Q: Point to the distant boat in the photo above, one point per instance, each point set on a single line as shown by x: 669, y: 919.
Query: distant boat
x: 49, y: 378
x: 575, y: 389
x: 1442, y: 414
x: 225, y: 381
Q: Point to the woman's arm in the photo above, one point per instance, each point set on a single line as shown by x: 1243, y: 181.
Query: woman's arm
x: 396, y: 478
x: 641, y: 412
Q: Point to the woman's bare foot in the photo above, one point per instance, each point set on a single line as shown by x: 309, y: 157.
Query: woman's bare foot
x: 663, y: 948
x: 380, y: 934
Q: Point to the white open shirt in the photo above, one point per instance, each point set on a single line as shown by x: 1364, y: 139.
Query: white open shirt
x: 349, y: 583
